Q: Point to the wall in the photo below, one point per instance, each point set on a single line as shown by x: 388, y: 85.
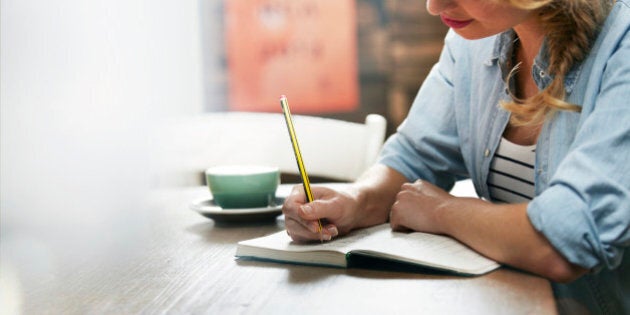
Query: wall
x: 397, y: 44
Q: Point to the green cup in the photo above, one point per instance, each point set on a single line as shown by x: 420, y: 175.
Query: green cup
x: 243, y: 186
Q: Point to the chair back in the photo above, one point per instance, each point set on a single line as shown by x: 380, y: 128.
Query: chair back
x: 334, y: 149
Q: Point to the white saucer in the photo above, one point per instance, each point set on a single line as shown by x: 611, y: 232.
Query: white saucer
x: 209, y: 209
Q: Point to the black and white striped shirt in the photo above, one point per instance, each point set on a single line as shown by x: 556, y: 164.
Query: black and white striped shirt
x: 511, y: 177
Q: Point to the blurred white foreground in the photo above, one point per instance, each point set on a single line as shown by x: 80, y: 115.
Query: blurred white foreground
x: 85, y: 87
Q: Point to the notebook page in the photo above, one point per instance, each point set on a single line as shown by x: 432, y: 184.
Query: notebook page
x: 428, y: 249
x: 282, y: 241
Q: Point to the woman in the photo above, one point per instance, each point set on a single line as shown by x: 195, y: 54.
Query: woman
x: 530, y: 99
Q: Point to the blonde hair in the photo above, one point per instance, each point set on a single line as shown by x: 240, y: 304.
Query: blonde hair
x: 570, y: 27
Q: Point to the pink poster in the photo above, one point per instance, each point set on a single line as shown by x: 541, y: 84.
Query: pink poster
x: 304, y: 49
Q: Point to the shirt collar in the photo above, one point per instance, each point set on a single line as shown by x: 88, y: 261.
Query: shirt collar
x: 502, y: 53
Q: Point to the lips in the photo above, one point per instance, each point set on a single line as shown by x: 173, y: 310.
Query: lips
x: 455, y: 23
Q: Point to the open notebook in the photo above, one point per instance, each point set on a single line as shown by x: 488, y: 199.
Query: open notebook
x: 378, y: 243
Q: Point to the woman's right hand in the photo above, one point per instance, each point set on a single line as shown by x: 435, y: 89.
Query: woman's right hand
x: 337, y: 211
x: 364, y: 203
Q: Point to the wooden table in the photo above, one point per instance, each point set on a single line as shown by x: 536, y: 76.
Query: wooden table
x: 179, y: 262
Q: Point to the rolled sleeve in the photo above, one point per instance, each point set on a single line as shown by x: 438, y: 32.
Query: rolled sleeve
x: 593, y: 239
x: 585, y: 210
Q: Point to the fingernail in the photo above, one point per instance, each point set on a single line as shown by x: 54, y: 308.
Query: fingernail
x: 314, y: 227
x: 332, y: 230
x: 306, y: 209
x: 326, y: 237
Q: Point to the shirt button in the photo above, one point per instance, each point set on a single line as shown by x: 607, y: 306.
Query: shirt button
x: 486, y: 153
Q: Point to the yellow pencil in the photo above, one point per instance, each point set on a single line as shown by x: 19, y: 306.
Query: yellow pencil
x: 298, y: 155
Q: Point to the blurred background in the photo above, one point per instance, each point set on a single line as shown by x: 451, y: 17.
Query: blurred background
x: 385, y: 47
x: 88, y: 86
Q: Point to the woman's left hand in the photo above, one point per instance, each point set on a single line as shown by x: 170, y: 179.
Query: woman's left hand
x: 417, y: 207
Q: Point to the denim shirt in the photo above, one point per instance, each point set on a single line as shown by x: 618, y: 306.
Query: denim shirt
x: 582, y: 168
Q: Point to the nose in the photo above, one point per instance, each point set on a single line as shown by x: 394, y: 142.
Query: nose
x: 435, y: 7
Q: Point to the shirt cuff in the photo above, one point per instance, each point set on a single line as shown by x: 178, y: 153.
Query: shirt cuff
x: 564, y: 220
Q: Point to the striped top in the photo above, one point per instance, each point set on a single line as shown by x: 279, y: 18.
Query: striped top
x: 511, y: 177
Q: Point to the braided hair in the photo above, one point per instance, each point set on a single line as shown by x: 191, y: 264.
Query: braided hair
x: 570, y: 27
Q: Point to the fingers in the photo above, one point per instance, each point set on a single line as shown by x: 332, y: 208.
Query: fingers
x: 415, y: 186
x: 395, y: 221
x: 299, y: 234
x: 417, y: 207
x: 301, y: 218
x: 293, y: 210
x: 398, y: 227
x: 409, y: 195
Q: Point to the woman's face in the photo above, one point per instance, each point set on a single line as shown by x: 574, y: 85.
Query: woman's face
x: 474, y: 19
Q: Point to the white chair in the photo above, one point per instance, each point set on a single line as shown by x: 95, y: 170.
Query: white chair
x: 331, y: 149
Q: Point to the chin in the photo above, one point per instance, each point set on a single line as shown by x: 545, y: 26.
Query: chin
x: 473, y: 35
